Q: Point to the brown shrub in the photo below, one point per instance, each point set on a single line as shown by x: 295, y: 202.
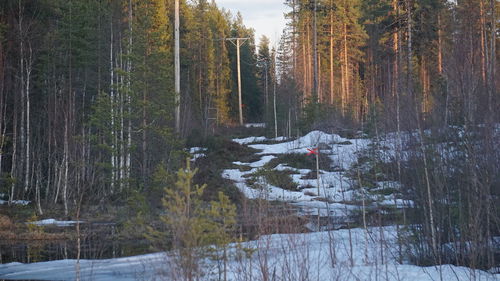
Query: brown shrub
x: 5, y: 223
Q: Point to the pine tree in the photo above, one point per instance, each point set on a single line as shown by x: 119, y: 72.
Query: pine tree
x: 192, y: 225
x: 185, y: 221
x: 264, y: 75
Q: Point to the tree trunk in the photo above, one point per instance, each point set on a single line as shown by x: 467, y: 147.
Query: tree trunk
x: 346, y: 74
x: 315, y: 93
x: 37, y: 191
x: 440, y: 46
x: 493, y: 63
x: 319, y: 97
x: 13, y: 167
x: 309, y: 63
x: 482, y: 30
x: 29, y: 66
x: 409, y: 47
x: 331, y: 57
x: 112, y: 103
x: 304, y: 69
x: 3, y: 104
x: 395, y: 49
x: 22, y: 87
x: 144, y: 131
x: 66, y: 164
x: 122, y: 141
x: 129, y: 89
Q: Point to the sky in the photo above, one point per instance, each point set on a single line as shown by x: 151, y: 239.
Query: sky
x: 265, y: 16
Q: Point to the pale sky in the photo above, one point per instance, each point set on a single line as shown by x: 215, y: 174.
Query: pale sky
x: 265, y: 16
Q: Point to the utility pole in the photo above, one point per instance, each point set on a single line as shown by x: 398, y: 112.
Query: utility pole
x: 274, y: 96
x: 177, y: 71
x: 239, y: 42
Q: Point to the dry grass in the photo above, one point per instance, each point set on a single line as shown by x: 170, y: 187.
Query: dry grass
x: 12, y: 231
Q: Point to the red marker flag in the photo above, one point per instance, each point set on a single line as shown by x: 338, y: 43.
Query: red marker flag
x: 314, y: 151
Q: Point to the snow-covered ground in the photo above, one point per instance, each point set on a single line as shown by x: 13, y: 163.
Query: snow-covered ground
x: 335, y: 188
x: 355, y: 254
x: 309, y: 256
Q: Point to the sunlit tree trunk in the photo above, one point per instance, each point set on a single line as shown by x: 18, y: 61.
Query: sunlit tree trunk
x: 304, y: 69
x: 440, y: 46
x: 493, y: 57
x: 395, y: 49
x: 345, y: 99
x: 309, y: 63
x: 482, y: 30
x: 331, y: 57
x: 316, y: 79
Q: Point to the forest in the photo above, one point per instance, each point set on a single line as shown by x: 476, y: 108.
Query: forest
x: 400, y: 98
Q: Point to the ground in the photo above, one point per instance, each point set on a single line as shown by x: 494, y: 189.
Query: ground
x: 281, y: 170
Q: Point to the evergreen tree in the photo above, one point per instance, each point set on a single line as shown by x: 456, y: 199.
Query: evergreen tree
x: 264, y: 75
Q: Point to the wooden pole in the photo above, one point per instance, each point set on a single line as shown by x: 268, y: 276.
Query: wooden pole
x: 274, y: 98
x: 238, y: 44
x: 239, y: 81
x: 177, y: 71
x: 317, y: 171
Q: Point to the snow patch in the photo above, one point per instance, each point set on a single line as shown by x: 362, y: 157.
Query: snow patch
x: 255, y: 125
x: 197, y: 149
x: 15, y: 202
x: 54, y: 222
x: 248, y: 140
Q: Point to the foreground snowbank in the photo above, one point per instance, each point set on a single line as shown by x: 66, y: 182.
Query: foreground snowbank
x: 309, y: 256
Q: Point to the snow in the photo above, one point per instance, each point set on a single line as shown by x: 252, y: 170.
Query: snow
x: 345, y: 254
x: 255, y: 125
x: 268, y: 192
x: 335, y: 187
x: 300, y: 145
x: 54, y: 222
x: 196, y: 149
x: 197, y: 152
x: 4, y: 200
x: 15, y: 202
x: 326, y: 255
x: 198, y: 155
x: 130, y: 268
x: 263, y: 161
x: 249, y: 140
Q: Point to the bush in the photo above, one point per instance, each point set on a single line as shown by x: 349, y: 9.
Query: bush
x: 281, y: 179
x: 301, y: 161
